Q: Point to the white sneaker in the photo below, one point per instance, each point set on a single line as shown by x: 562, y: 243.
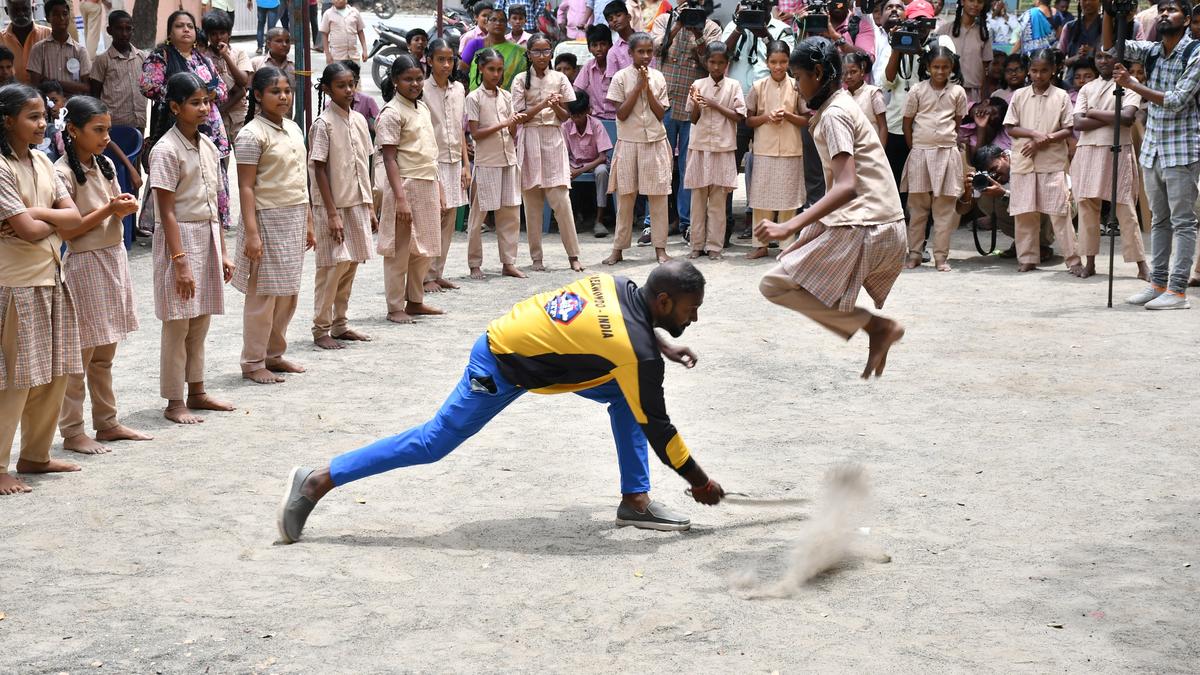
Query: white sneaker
x: 1169, y: 300
x: 1145, y: 295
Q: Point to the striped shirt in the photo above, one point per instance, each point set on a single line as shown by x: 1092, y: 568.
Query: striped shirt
x: 1171, y: 137
x: 63, y: 61
x: 118, y: 76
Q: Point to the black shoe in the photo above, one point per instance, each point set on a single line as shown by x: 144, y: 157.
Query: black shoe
x: 644, y: 240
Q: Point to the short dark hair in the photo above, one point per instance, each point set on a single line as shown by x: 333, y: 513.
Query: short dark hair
x: 518, y: 9
x: 985, y: 155
x: 6, y: 54
x: 51, y: 4
x: 216, y: 21
x: 47, y: 87
x: 416, y: 32
x: 582, y: 103
x: 675, y: 277
x: 599, y: 33
x: 568, y: 57
x: 118, y: 15
x: 615, y: 7
x: 481, y: 7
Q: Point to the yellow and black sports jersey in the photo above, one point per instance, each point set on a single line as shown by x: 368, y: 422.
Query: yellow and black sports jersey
x: 583, y: 335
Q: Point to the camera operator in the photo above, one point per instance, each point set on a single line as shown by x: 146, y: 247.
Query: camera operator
x: 994, y: 162
x: 848, y: 27
x: 680, y: 51
x: 1170, y: 151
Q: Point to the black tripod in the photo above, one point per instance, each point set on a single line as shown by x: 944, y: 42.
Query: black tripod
x: 1122, y: 9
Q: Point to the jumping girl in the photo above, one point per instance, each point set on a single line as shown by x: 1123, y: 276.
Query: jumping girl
x: 776, y: 187
x: 445, y: 99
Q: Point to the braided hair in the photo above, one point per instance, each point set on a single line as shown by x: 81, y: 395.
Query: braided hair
x: 980, y: 21
x: 536, y: 37
x: 485, y: 55
x: 331, y: 73
x: 402, y: 63
x: 818, y: 52
x: 263, y: 78
x: 13, y: 98
x: 80, y: 111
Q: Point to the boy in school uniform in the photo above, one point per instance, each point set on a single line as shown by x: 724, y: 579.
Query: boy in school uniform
x: 587, y: 148
x: 567, y: 64
x: 114, y: 75
x: 594, y: 77
x: 279, y: 46
x: 233, y: 66
x: 21, y: 35
x: 342, y: 33
x: 60, y: 57
x: 516, y: 24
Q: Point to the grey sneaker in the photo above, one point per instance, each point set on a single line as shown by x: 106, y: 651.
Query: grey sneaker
x: 655, y: 517
x: 599, y: 230
x: 1169, y: 300
x: 1145, y: 295
x: 294, y: 507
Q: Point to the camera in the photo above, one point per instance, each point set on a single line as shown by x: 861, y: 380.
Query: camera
x: 754, y: 15
x: 692, y: 14
x: 909, y: 37
x: 982, y: 180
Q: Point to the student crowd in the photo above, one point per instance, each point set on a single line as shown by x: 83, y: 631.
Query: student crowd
x: 492, y: 125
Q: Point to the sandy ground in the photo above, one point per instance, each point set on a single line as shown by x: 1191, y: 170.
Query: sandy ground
x: 1032, y: 456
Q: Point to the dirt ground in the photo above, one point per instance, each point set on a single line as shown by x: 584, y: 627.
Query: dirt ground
x: 1032, y: 456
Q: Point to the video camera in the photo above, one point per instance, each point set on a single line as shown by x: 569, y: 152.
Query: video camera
x: 754, y: 15
x: 693, y: 13
x: 909, y: 37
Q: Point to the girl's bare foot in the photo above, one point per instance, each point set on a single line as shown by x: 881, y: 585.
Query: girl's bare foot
x: 202, y: 401
x: 353, y: 336
x: 11, y: 485
x: 512, y: 271
x: 662, y: 255
x: 327, y: 342
x: 432, y: 287
x: 1076, y: 269
x: 422, y: 309
x: 477, y: 274
x: 1144, y: 274
x: 760, y: 252
x: 84, y: 445
x: 1026, y: 267
x: 284, y: 366
x: 716, y: 255
x: 262, y: 376
x: 883, y: 333
x: 1088, y: 270
x: 576, y: 266
x: 942, y: 265
x: 693, y: 255
x: 399, y: 317
x: 446, y: 284
x: 613, y: 258
x: 179, y: 414
x: 53, y: 466
x: 913, y: 261
x: 122, y: 433
x: 538, y: 266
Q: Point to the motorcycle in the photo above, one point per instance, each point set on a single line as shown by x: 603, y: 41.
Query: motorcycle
x: 383, y: 9
x: 391, y: 41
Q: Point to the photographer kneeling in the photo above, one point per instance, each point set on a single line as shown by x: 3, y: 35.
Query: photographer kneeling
x: 988, y: 190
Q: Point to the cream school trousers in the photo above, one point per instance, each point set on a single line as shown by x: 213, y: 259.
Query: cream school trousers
x: 779, y: 287
x: 97, y: 363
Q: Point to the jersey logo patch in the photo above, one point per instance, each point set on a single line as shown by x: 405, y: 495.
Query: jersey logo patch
x: 565, y: 307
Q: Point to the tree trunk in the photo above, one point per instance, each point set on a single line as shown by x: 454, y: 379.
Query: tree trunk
x: 145, y: 18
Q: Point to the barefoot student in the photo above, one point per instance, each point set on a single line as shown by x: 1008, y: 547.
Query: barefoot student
x: 1091, y: 169
x: 716, y: 107
x: 1039, y: 122
x: 276, y: 225
x: 339, y: 161
x: 190, y: 262
x: 413, y: 203
x: 445, y: 99
x: 96, y: 271
x: 542, y: 96
x: 854, y: 236
x: 39, y: 339
x: 776, y: 188
x: 595, y: 337
x: 642, y: 159
x: 496, y: 176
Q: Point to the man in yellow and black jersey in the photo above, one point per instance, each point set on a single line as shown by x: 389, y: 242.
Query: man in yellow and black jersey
x: 596, y: 338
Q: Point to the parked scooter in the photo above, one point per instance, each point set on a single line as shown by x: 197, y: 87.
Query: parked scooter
x: 383, y: 9
x: 391, y: 41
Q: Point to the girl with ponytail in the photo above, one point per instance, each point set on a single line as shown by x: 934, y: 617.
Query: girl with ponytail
x: 339, y: 166
x: 97, y: 274
x: 190, y: 262
x: 542, y: 96
x: 39, y: 337
x: 853, y: 237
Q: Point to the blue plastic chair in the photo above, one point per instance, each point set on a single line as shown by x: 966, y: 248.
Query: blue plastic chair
x: 129, y: 139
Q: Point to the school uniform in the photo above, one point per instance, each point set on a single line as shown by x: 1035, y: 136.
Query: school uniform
x: 1091, y: 173
x: 859, y: 246
x: 235, y: 116
x: 39, y: 337
x: 496, y: 177
x: 341, y: 29
x: 408, y: 251
x: 933, y: 173
x: 66, y: 61
x: 340, y: 139
x: 192, y: 172
x: 96, y: 271
x: 1038, y: 185
x: 271, y: 283
x: 711, y: 171
x: 870, y: 99
x: 596, y: 80
x: 288, y: 67
x: 583, y: 147
x: 642, y: 159
x: 542, y: 154
x: 777, y: 181
x: 446, y: 111
x: 974, y: 55
x: 118, y: 75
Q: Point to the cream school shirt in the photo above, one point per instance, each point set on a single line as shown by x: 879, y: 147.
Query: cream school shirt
x: 714, y: 132
x: 489, y: 109
x: 347, y: 157
x: 281, y: 157
x: 1098, y: 95
x: 198, y: 177
x: 840, y: 126
x: 341, y: 29
x: 775, y: 140
x: 870, y: 99
x: 1047, y: 112
x: 935, y: 114
x: 539, y: 89
x: 408, y: 126
x: 94, y: 193
x: 446, y: 109
x: 24, y: 185
x: 642, y: 125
